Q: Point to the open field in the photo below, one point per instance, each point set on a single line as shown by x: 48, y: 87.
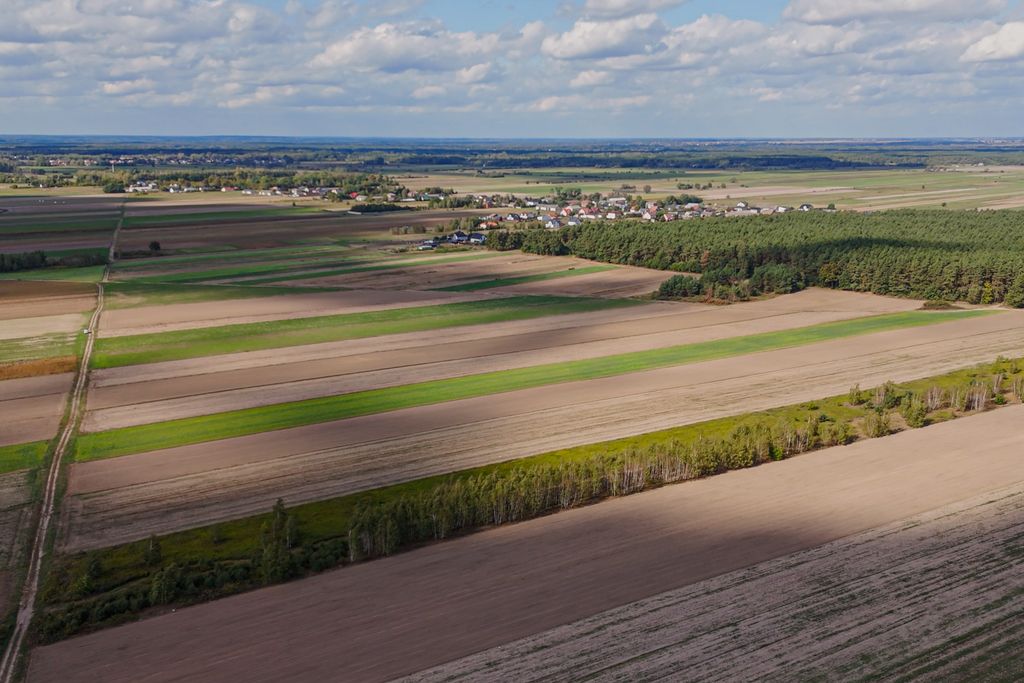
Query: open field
x: 30, y: 299
x: 364, y: 393
x: 32, y: 407
x: 567, y: 566
x: 133, y: 496
x: 192, y: 343
x: 15, y: 512
x: 839, y: 611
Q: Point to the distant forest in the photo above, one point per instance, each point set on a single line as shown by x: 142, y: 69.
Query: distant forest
x: 977, y: 257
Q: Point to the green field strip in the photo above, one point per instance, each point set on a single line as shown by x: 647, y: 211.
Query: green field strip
x: 188, y: 218
x: 134, y: 294
x: 210, y: 341
x: 69, y: 226
x: 233, y: 255
x: 230, y: 424
x: 508, y: 281
x: 364, y: 269
x: 22, y: 456
x: 86, y: 274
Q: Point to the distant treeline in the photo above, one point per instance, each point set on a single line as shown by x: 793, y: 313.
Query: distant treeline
x: 33, y: 260
x: 976, y: 257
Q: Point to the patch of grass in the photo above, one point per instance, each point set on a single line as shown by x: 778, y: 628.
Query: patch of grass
x: 35, y: 348
x: 86, y: 274
x: 22, y: 456
x: 230, y: 424
x: 162, y: 346
x: 507, y: 281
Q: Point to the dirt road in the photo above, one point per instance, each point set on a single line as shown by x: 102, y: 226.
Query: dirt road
x: 399, y: 615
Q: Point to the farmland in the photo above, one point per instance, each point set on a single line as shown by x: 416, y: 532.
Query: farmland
x: 259, y: 349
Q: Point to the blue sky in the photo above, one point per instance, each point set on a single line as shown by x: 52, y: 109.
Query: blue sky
x: 530, y: 68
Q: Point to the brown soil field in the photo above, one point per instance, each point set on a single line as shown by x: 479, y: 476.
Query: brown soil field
x: 399, y: 615
x: 17, y: 208
x: 277, y: 232
x: 32, y: 407
x: 165, y: 318
x: 38, y: 368
x: 839, y: 611
x: 437, y: 275
x: 15, y: 495
x: 15, y: 291
x: 56, y: 241
x: 18, y: 328
x: 123, y: 405
x: 769, y: 191
x: 133, y: 496
x: 623, y: 282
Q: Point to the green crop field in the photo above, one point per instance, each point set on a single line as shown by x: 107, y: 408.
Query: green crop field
x: 22, y: 456
x: 86, y: 274
x: 304, y: 263
x: 162, y: 346
x: 281, y: 416
x: 508, y: 281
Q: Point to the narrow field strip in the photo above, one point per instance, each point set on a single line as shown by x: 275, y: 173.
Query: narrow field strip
x: 508, y: 281
x: 194, y: 343
x: 244, y: 269
x: 28, y: 227
x: 309, y: 275
x: 193, y: 430
x: 85, y: 274
x: 189, y: 218
x: 21, y: 456
x: 133, y: 294
x: 237, y: 255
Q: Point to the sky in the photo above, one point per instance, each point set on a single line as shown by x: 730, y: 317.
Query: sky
x: 506, y: 69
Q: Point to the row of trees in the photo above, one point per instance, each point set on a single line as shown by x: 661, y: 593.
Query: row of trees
x: 11, y: 263
x: 976, y: 257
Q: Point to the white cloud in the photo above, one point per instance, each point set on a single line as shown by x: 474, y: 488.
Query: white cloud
x: 640, y: 34
x: 591, y: 78
x: 1006, y: 43
x: 395, y: 48
x: 844, y: 11
x: 621, y: 8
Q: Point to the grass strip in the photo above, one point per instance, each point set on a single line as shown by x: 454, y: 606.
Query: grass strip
x: 244, y: 269
x: 364, y: 269
x: 22, y: 456
x: 507, y: 281
x: 127, y: 440
x: 209, y: 341
x: 236, y: 255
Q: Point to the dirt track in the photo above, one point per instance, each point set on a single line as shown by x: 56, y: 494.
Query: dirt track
x: 842, y: 610
x: 122, y: 405
x: 32, y: 407
x: 131, y: 497
x: 396, y: 616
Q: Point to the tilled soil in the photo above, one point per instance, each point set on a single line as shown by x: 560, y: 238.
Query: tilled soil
x: 935, y: 597
x: 399, y: 615
x: 31, y: 408
x: 133, y: 496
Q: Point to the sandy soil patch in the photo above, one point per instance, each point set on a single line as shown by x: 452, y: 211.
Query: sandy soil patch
x: 842, y: 607
x: 18, y: 328
x: 420, y: 609
x: 166, y: 318
x: 130, y: 497
x: 29, y: 308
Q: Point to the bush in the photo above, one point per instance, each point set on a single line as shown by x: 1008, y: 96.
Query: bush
x: 679, y: 286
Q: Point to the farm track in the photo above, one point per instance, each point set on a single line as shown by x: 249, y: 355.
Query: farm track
x: 933, y: 597
x: 131, y: 497
x: 49, y: 502
x: 436, y: 604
